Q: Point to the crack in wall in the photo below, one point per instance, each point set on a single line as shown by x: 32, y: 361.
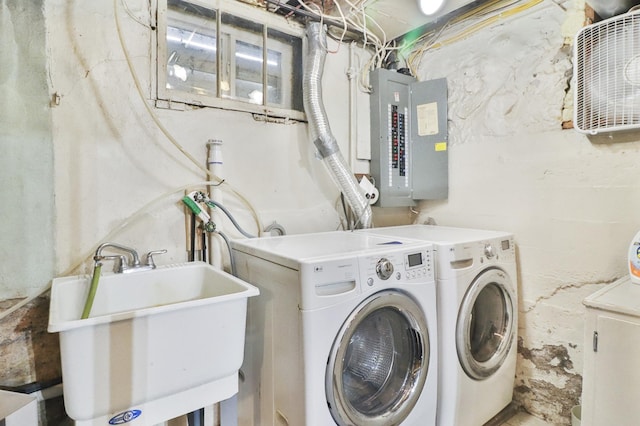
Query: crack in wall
x: 568, y: 103
x: 566, y: 287
x: 577, y: 15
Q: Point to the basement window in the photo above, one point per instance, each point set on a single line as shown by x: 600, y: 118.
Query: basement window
x: 239, y: 58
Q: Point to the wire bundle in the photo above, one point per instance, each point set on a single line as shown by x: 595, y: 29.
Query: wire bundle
x: 353, y: 24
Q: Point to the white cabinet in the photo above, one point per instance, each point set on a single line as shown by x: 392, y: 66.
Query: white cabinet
x: 611, y: 374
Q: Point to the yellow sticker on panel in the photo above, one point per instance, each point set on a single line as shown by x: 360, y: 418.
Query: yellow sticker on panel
x: 428, y: 119
x: 440, y: 146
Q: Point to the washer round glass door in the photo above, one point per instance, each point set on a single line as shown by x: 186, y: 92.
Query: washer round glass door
x: 486, y: 324
x: 379, y: 361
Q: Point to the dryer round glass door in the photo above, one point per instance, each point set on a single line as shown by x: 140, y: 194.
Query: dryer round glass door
x: 486, y: 324
x: 379, y: 361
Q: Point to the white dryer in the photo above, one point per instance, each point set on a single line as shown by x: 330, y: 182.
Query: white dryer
x: 344, y: 331
x: 476, y: 277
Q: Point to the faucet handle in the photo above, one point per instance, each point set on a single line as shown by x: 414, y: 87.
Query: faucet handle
x: 150, y: 255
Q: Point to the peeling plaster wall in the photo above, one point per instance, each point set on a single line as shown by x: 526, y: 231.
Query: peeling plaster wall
x: 571, y: 202
x: 27, y: 352
x: 26, y: 166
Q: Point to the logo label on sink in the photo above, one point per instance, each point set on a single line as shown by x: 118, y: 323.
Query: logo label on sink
x: 125, y: 417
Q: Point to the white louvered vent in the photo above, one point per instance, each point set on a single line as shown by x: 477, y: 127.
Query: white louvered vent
x: 607, y: 75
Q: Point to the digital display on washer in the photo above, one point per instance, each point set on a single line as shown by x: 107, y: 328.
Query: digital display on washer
x: 414, y: 259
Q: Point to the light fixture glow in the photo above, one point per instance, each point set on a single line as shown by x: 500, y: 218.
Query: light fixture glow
x: 429, y: 7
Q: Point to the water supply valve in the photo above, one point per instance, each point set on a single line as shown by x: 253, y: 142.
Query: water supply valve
x: 194, y: 200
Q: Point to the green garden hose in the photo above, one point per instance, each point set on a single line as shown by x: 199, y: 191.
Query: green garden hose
x: 92, y: 290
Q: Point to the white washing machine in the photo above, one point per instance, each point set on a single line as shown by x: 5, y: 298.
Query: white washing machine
x: 344, y: 331
x: 476, y: 277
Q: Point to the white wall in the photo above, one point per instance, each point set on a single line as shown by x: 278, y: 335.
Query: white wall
x: 572, y: 203
x: 111, y: 158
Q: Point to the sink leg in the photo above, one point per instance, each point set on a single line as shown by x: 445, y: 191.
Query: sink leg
x: 196, y: 418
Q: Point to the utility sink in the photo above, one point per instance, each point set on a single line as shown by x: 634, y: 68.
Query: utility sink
x: 157, y: 344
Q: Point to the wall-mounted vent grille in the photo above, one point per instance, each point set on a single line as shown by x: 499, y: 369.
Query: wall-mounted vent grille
x: 607, y: 75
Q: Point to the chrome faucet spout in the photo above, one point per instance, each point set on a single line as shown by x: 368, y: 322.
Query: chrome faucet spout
x: 123, y: 265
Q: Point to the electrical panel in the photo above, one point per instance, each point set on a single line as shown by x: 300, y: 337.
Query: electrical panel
x: 409, y: 151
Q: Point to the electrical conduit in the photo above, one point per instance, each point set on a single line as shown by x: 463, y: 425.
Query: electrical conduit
x: 321, y: 134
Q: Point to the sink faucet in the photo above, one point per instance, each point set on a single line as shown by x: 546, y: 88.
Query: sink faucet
x: 124, y: 264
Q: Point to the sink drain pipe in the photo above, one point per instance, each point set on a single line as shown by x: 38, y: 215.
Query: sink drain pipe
x: 321, y: 135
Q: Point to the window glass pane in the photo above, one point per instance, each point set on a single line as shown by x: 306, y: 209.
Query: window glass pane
x: 191, y: 48
x: 248, y: 72
x: 243, y: 58
x: 274, y: 78
x: 284, y: 70
x: 208, y: 57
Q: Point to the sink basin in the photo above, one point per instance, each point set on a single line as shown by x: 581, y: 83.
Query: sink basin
x: 157, y: 344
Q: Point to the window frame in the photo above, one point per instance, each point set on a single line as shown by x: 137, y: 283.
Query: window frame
x: 169, y: 97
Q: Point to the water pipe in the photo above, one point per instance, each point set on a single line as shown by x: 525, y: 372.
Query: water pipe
x: 231, y: 218
x: 192, y: 201
x: 231, y: 258
x: 214, y: 165
x: 197, y: 201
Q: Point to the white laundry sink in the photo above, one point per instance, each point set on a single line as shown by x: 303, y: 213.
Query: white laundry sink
x: 157, y: 344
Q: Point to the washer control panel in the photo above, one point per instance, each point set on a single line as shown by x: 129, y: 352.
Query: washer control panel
x: 419, y: 264
x: 389, y: 266
x: 404, y: 265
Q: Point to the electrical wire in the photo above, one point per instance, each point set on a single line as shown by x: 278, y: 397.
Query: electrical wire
x: 357, y: 18
x: 498, y: 9
x: 346, y: 214
x: 132, y: 16
x: 354, y: 19
x: 491, y: 20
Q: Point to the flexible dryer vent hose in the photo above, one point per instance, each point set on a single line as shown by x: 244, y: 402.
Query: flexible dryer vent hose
x: 321, y: 134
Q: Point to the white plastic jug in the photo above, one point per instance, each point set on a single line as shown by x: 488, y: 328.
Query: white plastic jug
x: 634, y: 259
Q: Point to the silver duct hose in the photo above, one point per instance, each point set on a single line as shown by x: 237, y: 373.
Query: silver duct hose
x: 321, y: 134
